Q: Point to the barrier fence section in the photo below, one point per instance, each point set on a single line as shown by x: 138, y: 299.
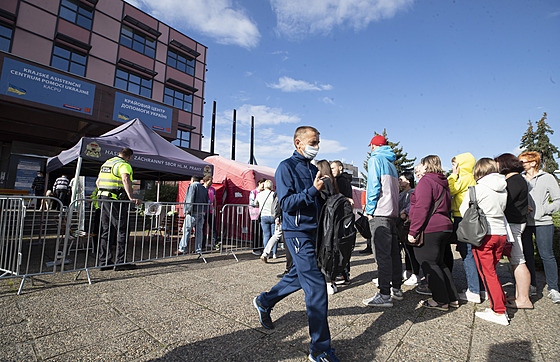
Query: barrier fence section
x: 39, y: 235
x: 151, y: 231
x: 238, y: 231
x: 29, y: 235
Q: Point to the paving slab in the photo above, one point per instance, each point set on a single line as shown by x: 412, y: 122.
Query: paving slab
x: 181, y: 309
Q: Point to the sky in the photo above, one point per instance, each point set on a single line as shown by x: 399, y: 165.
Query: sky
x: 441, y: 77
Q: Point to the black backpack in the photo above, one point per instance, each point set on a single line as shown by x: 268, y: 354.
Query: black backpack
x: 336, y: 235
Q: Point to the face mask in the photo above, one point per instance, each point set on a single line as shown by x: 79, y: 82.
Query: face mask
x: 310, y: 152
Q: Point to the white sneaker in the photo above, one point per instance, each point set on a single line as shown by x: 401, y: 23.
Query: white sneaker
x: 375, y: 281
x: 554, y: 295
x: 331, y: 288
x: 264, y: 258
x: 274, y: 256
x: 406, y: 274
x: 412, y: 280
x: 491, y: 316
x: 470, y: 296
x: 379, y: 300
x: 397, y: 294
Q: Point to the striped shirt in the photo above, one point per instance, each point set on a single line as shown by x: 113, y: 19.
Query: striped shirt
x: 61, y: 183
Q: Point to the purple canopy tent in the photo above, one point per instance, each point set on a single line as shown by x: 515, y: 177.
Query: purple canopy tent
x: 154, y: 157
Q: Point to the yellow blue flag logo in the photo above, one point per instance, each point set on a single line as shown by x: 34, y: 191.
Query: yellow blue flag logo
x: 17, y: 90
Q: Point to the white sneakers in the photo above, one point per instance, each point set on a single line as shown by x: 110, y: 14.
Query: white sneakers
x: 470, y: 296
x: 554, y: 295
x: 331, y: 288
x: 491, y: 316
x: 412, y: 280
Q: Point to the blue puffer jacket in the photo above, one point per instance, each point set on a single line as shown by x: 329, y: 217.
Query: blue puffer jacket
x: 297, y: 196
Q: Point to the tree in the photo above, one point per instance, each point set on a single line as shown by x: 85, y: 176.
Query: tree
x: 402, y: 163
x: 538, y: 141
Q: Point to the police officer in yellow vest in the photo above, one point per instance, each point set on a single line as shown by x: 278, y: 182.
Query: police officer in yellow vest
x: 115, y: 183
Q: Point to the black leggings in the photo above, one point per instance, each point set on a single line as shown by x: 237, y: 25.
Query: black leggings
x: 410, y: 259
x: 431, y: 257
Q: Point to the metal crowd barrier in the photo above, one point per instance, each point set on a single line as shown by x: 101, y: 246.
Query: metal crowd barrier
x: 39, y: 235
x: 238, y: 232
x: 30, y: 236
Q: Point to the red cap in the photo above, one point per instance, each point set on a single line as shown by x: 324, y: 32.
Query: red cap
x: 378, y: 140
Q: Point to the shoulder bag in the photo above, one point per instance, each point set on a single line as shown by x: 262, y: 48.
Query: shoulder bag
x: 419, y: 241
x: 255, y: 212
x: 474, y: 226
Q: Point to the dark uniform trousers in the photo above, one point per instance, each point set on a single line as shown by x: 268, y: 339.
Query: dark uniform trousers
x: 114, y: 221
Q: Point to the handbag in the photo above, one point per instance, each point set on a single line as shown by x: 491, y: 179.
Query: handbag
x: 419, y: 241
x: 254, y: 212
x: 362, y: 225
x: 474, y: 226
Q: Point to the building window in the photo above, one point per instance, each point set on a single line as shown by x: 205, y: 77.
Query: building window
x: 183, y: 139
x: 133, y: 83
x: 136, y: 40
x: 5, y: 37
x: 69, y: 60
x: 77, y: 13
x: 178, y: 99
x: 180, y: 62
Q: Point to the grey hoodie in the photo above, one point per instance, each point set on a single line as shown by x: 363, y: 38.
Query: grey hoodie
x: 542, y: 187
x: 491, y: 195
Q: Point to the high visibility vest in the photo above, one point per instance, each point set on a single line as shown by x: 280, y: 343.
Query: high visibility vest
x: 109, y: 175
x: 94, y: 197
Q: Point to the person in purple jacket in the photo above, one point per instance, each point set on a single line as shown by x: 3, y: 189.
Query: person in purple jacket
x: 436, y: 234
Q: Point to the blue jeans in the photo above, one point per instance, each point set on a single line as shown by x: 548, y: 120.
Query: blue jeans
x: 196, y: 220
x: 544, y: 235
x: 267, y: 224
x: 471, y: 272
x: 305, y: 275
x: 187, y: 227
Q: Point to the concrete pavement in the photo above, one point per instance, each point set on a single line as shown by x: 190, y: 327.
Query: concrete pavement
x: 181, y: 309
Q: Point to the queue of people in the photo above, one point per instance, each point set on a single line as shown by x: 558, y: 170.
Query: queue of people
x: 505, y: 195
x: 422, y: 218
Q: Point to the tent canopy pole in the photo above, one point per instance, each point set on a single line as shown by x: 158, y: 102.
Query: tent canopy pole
x: 158, y: 188
x: 75, y: 185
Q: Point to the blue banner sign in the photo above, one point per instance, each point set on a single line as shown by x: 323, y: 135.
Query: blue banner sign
x: 24, y: 81
x: 153, y: 115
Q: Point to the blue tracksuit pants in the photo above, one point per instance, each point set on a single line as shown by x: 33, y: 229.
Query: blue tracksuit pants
x: 305, y: 275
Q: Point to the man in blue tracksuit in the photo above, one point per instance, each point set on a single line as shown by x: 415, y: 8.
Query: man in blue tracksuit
x: 298, y: 185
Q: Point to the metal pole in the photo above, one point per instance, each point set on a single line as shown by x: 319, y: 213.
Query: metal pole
x: 233, y: 135
x: 213, y: 135
x: 158, y: 188
x: 252, y: 151
x: 76, y: 180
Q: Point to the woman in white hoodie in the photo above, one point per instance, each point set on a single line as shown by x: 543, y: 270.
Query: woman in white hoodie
x: 491, y: 196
